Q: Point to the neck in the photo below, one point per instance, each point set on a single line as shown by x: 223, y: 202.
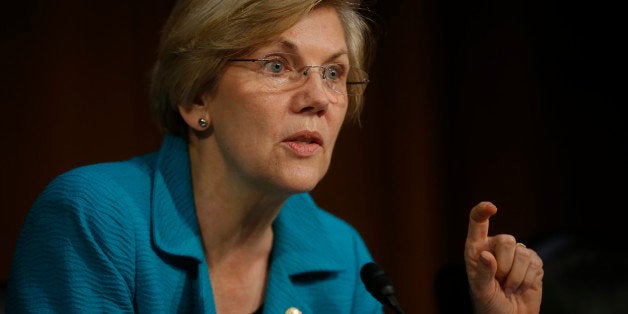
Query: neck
x: 235, y: 218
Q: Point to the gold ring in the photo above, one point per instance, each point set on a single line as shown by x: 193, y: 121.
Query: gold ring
x: 521, y: 245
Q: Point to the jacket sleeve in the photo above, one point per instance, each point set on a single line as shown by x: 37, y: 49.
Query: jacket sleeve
x: 75, y: 252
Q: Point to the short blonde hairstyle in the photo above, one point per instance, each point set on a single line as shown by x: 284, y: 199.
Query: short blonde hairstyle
x: 200, y: 35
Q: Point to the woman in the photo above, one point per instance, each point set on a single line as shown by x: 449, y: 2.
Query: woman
x: 252, y: 95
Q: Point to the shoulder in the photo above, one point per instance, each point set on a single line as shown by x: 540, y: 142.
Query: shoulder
x: 120, y: 173
x: 96, y: 197
x: 101, y: 183
x: 86, y: 219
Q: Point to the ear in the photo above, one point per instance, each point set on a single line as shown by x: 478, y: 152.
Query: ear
x: 193, y: 113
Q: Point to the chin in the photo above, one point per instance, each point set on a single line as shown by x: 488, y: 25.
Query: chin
x: 301, y: 180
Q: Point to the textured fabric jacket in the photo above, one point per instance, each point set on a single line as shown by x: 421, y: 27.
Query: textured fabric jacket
x: 123, y: 237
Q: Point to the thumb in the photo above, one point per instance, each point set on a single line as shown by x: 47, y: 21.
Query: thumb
x: 485, y: 274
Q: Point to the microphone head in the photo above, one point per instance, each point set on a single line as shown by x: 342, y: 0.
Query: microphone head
x: 378, y: 283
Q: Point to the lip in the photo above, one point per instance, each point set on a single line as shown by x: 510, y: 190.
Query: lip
x: 304, y: 143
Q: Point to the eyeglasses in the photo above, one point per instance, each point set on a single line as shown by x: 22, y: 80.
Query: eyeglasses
x: 282, y: 71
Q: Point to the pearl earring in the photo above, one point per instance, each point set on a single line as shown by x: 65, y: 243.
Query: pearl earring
x: 202, y: 122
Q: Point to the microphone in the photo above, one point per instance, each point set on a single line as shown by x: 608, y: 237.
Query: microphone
x: 379, y: 285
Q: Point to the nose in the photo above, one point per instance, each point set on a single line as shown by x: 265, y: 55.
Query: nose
x: 314, y: 96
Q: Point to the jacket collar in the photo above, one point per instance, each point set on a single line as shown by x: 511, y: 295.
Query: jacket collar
x: 174, y: 225
x: 301, y: 246
x: 301, y: 241
x: 175, y: 228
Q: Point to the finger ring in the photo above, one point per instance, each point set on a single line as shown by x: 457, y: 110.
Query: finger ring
x: 521, y: 245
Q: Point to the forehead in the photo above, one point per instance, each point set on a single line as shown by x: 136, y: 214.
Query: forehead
x: 320, y: 32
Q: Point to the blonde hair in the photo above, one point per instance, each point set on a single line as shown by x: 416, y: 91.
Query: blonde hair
x: 200, y: 35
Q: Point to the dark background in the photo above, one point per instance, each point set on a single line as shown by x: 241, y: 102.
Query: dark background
x: 516, y: 102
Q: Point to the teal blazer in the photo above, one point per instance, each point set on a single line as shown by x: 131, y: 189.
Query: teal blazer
x: 124, y: 237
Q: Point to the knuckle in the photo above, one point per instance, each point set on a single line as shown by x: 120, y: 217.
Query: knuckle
x: 506, y: 240
x: 522, y: 253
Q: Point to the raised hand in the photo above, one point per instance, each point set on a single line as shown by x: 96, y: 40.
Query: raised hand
x: 504, y: 276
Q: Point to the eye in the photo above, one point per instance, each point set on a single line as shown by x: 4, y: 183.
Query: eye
x: 335, y: 72
x: 275, y: 65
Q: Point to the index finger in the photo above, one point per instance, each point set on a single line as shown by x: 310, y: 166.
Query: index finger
x: 478, y: 221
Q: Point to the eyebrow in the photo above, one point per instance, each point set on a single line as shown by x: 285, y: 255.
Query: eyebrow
x: 293, y: 48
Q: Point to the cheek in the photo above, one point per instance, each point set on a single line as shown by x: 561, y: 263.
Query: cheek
x: 248, y: 126
x: 336, y: 120
x: 242, y: 109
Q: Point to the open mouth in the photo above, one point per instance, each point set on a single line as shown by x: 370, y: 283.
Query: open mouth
x: 305, y: 137
x: 304, y: 143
